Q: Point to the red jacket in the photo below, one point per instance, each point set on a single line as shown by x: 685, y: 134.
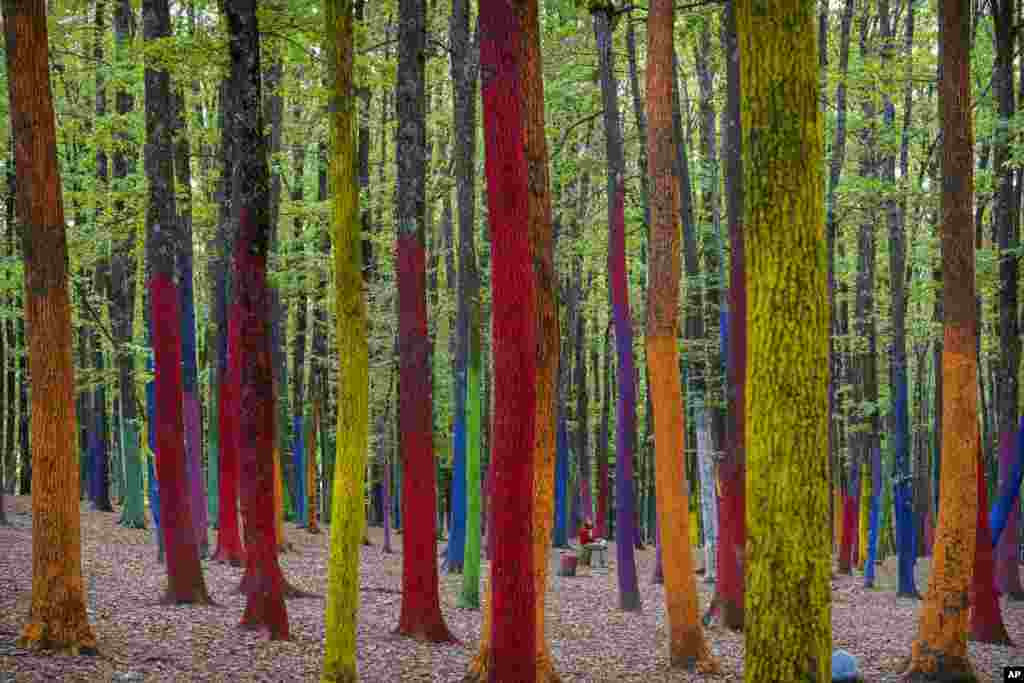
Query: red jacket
x: 586, y: 536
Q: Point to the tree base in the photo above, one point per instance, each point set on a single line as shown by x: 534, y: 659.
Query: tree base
x: 938, y: 669
x: 198, y: 597
x: 432, y: 633
x: 73, y: 639
x: 235, y: 558
x: 129, y: 523
x: 994, y: 635
x: 479, y: 669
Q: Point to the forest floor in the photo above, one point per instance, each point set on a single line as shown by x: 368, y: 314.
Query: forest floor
x: 590, y: 640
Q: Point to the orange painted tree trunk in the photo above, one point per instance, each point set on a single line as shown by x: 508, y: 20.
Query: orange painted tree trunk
x: 686, y: 636
x: 57, y: 617
x: 940, y: 650
x: 263, y: 584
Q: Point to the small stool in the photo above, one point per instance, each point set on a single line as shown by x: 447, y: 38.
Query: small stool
x: 598, y: 555
x: 567, y: 565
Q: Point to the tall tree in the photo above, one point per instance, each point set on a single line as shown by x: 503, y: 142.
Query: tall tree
x: 123, y: 267
x: 347, y: 517
x: 686, y: 637
x: 229, y: 540
x: 184, y: 252
x: 464, y: 75
x: 185, y: 583
x: 57, y: 617
x: 940, y: 650
x: 510, y: 166
x: 1006, y: 209
x: 604, y: 14
x: 896, y: 216
x: 788, y: 354
x: 263, y: 584
x: 421, y: 607
x: 101, y: 469
x: 730, y: 580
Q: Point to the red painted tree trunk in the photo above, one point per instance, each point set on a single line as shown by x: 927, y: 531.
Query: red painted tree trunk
x: 986, y: 617
x: 229, y: 541
x: 263, y: 583
x: 421, y: 606
x: 513, y: 627
x: 185, y: 582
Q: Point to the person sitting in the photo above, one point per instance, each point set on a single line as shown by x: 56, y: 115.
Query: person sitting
x: 586, y: 533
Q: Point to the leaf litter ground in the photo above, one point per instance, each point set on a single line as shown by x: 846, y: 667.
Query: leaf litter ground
x: 589, y: 638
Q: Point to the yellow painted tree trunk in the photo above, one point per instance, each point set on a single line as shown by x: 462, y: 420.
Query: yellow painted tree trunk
x: 57, y: 617
x: 940, y: 651
x: 687, y: 646
x: 788, y: 558
x: 347, y: 512
x: 547, y: 348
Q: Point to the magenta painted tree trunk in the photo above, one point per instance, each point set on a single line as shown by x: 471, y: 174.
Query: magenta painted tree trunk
x: 1006, y: 563
x: 263, y: 583
x: 625, y: 409
x: 514, y: 329
x: 986, y: 616
x: 421, y: 606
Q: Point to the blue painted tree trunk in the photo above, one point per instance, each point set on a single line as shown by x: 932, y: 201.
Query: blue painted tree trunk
x: 906, y: 537
x: 559, y: 534
x: 873, y: 523
x: 457, y: 506
x: 299, y: 461
x: 1008, y: 491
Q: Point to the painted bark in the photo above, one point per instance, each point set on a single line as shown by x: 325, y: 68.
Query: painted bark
x: 122, y: 297
x: 604, y: 378
x: 625, y: 406
x: 986, y: 616
x: 263, y: 583
x: 708, y: 498
x: 189, y: 371
x: 895, y: 214
x: 347, y: 517
x: 301, y: 450
x: 687, y: 645
x: 57, y: 618
x: 787, y: 441
x: 510, y: 170
x: 229, y: 541
x: 184, y: 573
x: 421, y: 611
x: 874, y: 515
x: 467, y: 348
x: 1006, y: 206
x: 99, y: 435
x: 940, y: 650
